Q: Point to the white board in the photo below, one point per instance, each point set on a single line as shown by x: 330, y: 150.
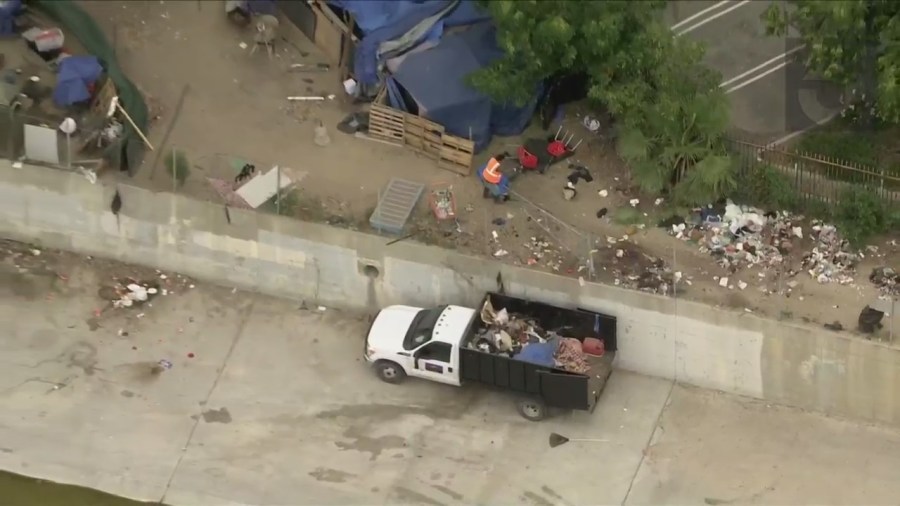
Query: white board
x: 41, y: 144
x: 263, y: 187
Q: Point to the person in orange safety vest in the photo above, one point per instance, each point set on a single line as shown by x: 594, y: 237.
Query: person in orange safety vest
x: 492, y: 173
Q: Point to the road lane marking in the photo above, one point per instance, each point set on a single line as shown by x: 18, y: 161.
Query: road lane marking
x: 713, y: 17
x: 762, y: 66
x: 757, y: 77
x: 701, y: 13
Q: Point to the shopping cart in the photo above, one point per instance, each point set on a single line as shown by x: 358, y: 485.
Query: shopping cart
x: 442, y: 201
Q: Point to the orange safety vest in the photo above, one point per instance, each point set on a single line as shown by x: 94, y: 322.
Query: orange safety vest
x: 491, y: 172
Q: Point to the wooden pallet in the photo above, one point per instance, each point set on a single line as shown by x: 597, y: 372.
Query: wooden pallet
x: 386, y: 123
x: 456, y: 154
x: 421, y: 135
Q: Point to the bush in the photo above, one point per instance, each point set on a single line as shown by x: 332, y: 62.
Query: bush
x: 768, y: 188
x: 861, y: 214
x: 854, y: 147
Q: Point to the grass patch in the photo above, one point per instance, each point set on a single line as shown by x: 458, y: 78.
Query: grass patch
x: 877, y: 150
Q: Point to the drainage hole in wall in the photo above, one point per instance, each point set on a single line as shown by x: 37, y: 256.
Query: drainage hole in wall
x: 371, y: 271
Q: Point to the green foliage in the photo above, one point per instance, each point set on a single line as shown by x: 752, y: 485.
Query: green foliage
x: 178, y: 166
x: 853, y: 147
x: 671, y: 112
x: 290, y: 202
x: 853, y: 43
x: 861, y: 214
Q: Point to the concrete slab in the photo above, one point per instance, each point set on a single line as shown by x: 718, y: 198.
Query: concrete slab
x: 312, y: 417
x: 714, y: 448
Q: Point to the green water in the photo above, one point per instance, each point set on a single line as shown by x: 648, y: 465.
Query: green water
x: 16, y: 490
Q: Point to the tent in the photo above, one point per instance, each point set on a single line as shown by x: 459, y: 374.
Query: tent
x: 75, y: 75
x: 385, y: 22
x: 435, y: 81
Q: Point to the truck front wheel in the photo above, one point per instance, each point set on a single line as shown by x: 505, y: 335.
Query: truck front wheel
x: 532, y: 409
x: 390, y: 372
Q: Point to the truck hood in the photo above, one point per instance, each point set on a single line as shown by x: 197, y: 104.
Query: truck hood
x: 390, y: 326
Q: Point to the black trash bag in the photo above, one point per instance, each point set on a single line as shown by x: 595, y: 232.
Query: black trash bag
x: 355, y: 122
x: 870, y: 320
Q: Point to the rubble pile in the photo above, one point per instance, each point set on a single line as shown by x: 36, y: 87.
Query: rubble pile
x: 523, y: 338
x: 744, y: 236
x: 634, y: 269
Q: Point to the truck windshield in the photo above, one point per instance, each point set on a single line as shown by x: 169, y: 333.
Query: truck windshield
x: 422, y: 327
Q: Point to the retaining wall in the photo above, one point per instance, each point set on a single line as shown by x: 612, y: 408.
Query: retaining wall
x: 735, y: 352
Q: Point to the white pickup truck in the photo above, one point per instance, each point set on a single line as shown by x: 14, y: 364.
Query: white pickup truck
x: 436, y: 344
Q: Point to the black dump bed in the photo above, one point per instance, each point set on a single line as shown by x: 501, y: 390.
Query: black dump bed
x: 555, y: 386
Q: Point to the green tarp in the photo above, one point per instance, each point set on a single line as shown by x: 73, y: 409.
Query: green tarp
x: 78, y: 23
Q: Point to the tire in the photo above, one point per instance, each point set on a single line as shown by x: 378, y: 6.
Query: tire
x: 533, y: 410
x: 389, y: 372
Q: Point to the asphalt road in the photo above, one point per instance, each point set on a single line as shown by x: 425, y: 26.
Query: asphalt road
x: 772, y: 98
x: 269, y: 403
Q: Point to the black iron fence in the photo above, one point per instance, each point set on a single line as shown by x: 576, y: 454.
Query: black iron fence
x: 814, y: 177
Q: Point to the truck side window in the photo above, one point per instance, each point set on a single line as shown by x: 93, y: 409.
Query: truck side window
x: 435, y: 351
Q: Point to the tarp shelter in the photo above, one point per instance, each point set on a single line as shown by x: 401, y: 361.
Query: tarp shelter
x: 436, y: 80
x: 384, y: 22
x: 73, y: 80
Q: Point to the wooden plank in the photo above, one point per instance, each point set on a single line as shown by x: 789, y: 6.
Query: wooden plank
x: 332, y: 17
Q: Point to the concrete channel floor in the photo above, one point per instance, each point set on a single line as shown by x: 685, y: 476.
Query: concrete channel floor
x: 276, y: 407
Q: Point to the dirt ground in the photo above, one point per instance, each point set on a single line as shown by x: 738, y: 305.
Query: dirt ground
x: 235, y: 110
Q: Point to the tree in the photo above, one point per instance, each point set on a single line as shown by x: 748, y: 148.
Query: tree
x: 671, y: 114
x: 853, y: 43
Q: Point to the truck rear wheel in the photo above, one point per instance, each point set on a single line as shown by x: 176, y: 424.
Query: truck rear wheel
x: 533, y: 410
x: 390, y: 372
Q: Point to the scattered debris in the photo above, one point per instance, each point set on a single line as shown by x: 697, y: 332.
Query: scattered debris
x: 523, y: 338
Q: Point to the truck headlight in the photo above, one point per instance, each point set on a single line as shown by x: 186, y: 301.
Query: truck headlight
x: 369, y: 352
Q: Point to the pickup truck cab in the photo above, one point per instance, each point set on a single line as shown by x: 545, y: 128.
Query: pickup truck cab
x: 435, y: 344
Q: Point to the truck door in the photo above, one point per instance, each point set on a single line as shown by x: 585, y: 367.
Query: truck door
x: 434, y: 361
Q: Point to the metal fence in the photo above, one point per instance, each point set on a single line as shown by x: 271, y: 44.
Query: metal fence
x: 814, y: 177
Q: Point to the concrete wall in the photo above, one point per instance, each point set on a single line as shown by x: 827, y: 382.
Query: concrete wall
x: 695, y: 344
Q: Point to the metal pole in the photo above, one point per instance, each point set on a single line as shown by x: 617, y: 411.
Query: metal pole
x: 278, y: 189
x: 891, y: 327
x: 68, y: 150
x: 174, y: 172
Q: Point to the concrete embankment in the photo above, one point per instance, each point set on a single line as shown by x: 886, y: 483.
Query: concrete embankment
x: 736, y: 352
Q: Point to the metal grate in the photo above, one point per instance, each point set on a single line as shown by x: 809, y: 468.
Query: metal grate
x: 395, y: 205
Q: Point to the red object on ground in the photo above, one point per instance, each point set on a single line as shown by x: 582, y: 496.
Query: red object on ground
x: 190, y: 355
x: 593, y: 346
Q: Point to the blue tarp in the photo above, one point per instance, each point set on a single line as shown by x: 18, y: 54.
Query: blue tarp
x: 384, y: 20
x: 538, y: 353
x: 437, y: 80
x: 72, y: 80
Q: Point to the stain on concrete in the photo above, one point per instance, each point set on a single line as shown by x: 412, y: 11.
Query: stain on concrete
x: 6, y: 450
x: 552, y: 493
x: 536, y: 499
x: 93, y: 323
x: 406, y: 495
x: 367, y: 444
x: 331, y: 475
x: 127, y: 393
x: 435, y: 476
x: 452, y: 493
x: 220, y: 415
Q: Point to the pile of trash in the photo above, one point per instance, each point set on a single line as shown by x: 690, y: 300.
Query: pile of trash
x: 742, y: 236
x: 831, y: 258
x: 131, y: 293
x: 887, y: 280
x: 521, y: 337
